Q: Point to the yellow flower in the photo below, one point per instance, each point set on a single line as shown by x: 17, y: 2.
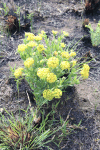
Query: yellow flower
x: 65, y: 33
x: 63, y: 45
x: 29, y: 62
x: 64, y: 65
x: 43, y: 32
x: 72, y: 54
x: 86, y: 67
x: 51, y: 77
x: 74, y: 63
x: 53, y: 62
x: 42, y: 73
x: 55, y: 53
x: 48, y: 94
x: 65, y: 54
x: 18, y: 72
x: 54, y: 32
x: 38, y: 38
x: 31, y: 44
x: 84, y: 74
x: 22, y: 47
x: 40, y: 48
x: 28, y: 34
x: 85, y: 71
x: 57, y: 93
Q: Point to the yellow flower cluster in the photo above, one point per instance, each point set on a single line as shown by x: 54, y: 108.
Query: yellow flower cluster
x: 22, y: 47
x: 63, y: 44
x: 57, y: 93
x: 85, y: 71
x: 30, y: 36
x: 40, y: 48
x: 18, y: 72
x: 65, y: 65
x: 38, y: 38
x: 72, y: 54
x: 65, y: 33
x: 54, y: 32
x: 51, y: 77
x: 42, y: 73
x: 48, y: 94
x: 53, y: 62
x: 29, y: 62
x: 65, y: 54
x: 31, y: 44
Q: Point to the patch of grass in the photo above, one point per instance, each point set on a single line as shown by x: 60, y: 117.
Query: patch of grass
x: 22, y: 133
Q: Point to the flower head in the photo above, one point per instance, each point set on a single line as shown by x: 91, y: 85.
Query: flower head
x: 29, y: 62
x: 65, y: 65
x: 65, y: 54
x: 57, y: 93
x: 22, y: 47
x: 43, y: 32
x: 30, y: 36
x: 65, y: 33
x: 85, y: 71
x: 40, y: 48
x: 84, y: 74
x: 51, y: 77
x: 38, y: 38
x: 72, y: 54
x: 18, y: 72
x: 48, y: 94
x: 63, y: 44
x: 86, y: 67
x: 53, y: 62
x: 42, y: 73
x: 54, y: 32
x: 31, y: 44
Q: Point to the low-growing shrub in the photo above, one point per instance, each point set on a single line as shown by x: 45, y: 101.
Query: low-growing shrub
x: 46, y: 62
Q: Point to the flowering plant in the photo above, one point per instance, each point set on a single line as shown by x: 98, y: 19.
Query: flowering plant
x: 95, y: 35
x: 45, y: 64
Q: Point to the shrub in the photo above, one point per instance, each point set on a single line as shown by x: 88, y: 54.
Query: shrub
x: 45, y: 64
